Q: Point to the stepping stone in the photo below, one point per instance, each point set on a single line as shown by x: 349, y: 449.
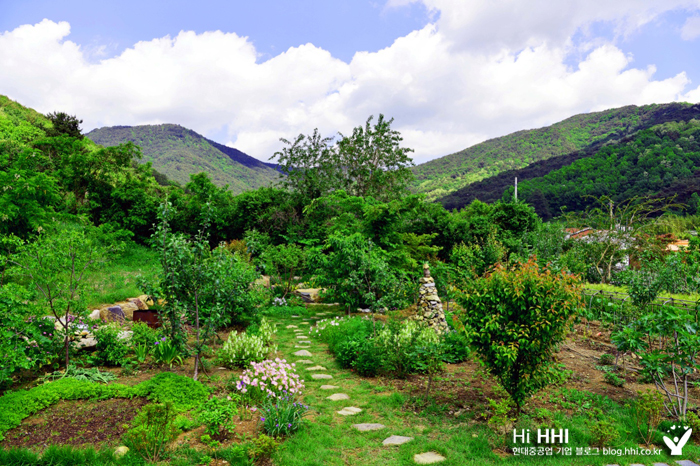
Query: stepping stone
x: 686, y: 463
x: 305, y: 361
x: 302, y: 353
x: 428, y: 458
x: 303, y: 337
x: 396, y: 440
x: 292, y: 326
x: 321, y: 376
x: 329, y: 387
x: 316, y: 368
x: 338, y: 397
x: 366, y: 427
x: 304, y: 323
x: 298, y: 330
x: 305, y: 347
x: 349, y: 411
x: 296, y: 317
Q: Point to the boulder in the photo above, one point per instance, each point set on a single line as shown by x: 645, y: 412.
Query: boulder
x: 121, y: 451
x: 309, y: 295
x: 95, y: 315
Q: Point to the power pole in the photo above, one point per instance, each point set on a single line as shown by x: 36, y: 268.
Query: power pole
x: 516, y: 189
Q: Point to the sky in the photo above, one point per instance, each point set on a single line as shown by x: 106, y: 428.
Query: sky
x: 452, y: 73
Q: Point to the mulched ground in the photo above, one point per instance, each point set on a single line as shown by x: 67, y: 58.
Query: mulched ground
x: 78, y: 423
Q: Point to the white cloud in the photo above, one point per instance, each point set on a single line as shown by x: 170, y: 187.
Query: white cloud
x: 479, y: 71
x: 691, y: 28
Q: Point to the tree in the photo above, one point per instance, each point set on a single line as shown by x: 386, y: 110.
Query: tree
x: 514, y: 318
x: 56, y: 264
x: 369, y: 162
x: 64, y: 124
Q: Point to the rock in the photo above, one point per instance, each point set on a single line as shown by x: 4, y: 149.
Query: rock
x: 304, y: 347
x: 329, y: 387
x: 428, y: 458
x: 429, y: 308
x: 95, y: 315
x: 321, y: 376
x: 86, y: 343
x: 309, y: 295
x: 121, y: 451
x: 316, y: 368
x: 304, y: 323
x: 396, y: 440
x: 302, y: 337
x: 291, y: 326
x: 305, y: 361
x: 338, y: 397
x: 125, y: 335
x: 302, y: 353
x: 349, y: 411
x: 296, y: 317
x: 367, y: 427
x: 140, y: 305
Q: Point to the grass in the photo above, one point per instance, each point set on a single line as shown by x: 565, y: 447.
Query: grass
x: 116, y: 280
x: 622, y: 289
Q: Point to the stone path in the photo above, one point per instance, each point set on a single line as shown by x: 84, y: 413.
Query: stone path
x: 679, y: 463
x: 393, y: 440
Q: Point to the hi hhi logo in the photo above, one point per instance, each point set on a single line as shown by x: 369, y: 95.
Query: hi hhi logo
x: 676, y: 445
x: 543, y: 436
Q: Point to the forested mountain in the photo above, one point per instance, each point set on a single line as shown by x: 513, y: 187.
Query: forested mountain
x: 663, y: 160
x: 580, y: 133
x: 179, y: 152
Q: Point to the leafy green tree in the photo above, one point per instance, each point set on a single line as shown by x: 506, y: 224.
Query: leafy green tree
x: 284, y: 262
x: 514, y: 318
x: 64, y: 124
x: 56, y: 264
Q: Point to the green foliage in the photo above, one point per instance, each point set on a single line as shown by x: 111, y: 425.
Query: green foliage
x: 64, y: 124
x: 675, y: 359
x: 612, y: 378
x: 217, y: 415
x: 143, y: 335
x: 370, y: 162
x: 263, y: 447
x: 284, y: 262
x: 514, y: 318
x: 604, y: 433
x: 91, y: 374
x: 282, y: 416
x: 165, y: 351
x: 500, y: 420
x: 241, y: 349
x: 111, y: 350
x: 184, y: 423
x: 648, y: 412
x: 153, y: 429
x: 606, y: 359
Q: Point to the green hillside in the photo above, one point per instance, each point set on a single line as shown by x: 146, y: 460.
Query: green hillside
x: 179, y: 152
x: 445, y: 175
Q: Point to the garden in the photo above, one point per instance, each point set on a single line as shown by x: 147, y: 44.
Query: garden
x: 341, y: 320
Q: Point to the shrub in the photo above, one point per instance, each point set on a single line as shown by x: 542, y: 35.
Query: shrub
x: 606, y: 359
x: 648, y: 411
x: 166, y: 351
x: 143, y: 335
x: 603, y: 433
x: 153, y: 430
x: 275, y: 379
x: 335, y: 331
x: 262, y: 447
x: 184, y: 423
x: 398, y: 341
x: 368, y: 362
x: 455, y: 347
x: 217, y: 414
x: 613, y: 379
x: 514, y: 318
x: 282, y: 416
x: 265, y: 331
x: 287, y: 311
x: 166, y: 387
x: 111, y: 350
x: 347, y: 352
x: 242, y: 349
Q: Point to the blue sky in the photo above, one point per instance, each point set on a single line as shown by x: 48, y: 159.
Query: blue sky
x: 452, y: 73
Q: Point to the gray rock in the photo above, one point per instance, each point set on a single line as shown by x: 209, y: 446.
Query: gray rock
x: 367, y: 427
x: 428, y: 458
x: 125, y: 335
x: 349, y: 411
x: 302, y: 337
x: 304, y: 323
x: 86, y: 343
x: 396, y: 440
x: 338, y: 397
x: 302, y: 353
x: 305, y: 361
x: 321, y: 376
x: 686, y: 463
x: 291, y: 326
x: 95, y: 315
x: 306, y: 347
x: 316, y: 368
x: 329, y: 387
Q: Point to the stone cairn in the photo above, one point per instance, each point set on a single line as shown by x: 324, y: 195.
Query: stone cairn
x: 429, y: 304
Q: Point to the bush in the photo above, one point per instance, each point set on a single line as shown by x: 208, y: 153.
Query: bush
x: 514, y: 318
x: 111, y: 350
x: 264, y: 330
x: 217, y: 414
x: 398, y: 341
x: 606, y: 359
x: 648, y: 411
x: 604, y: 433
x: 153, y: 430
x: 242, y: 349
x: 262, y: 447
x: 275, y: 379
x: 282, y: 416
x: 166, y: 387
x: 287, y: 311
x: 368, y: 362
x: 455, y: 347
x: 335, y: 331
x: 347, y: 352
x: 613, y: 379
x: 143, y: 335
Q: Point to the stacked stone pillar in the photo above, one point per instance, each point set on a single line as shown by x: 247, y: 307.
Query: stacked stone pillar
x: 429, y: 304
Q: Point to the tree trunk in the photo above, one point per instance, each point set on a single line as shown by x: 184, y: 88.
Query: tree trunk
x: 196, y: 319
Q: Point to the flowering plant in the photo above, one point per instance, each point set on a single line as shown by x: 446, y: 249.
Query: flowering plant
x: 282, y: 416
x: 272, y: 379
x: 164, y: 351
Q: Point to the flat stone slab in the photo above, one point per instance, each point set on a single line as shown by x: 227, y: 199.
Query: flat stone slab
x: 686, y: 463
x: 316, y: 368
x: 304, y: 323
x: 349, y: 411
x: 305, y: 361
x: 338, y: 397
x: 295, y: 317
x: 302, y: 353
x: 396, y: 440
x: 329, y: 387
x: 292, y: 326
x: 321, y: 376
x: 303, y: 337
x: 366, y: 427
x: 297, y: 330
x: 428, y: 458
x: 306, y: 347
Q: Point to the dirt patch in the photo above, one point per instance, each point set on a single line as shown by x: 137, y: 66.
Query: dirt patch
x: 77, y: 423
